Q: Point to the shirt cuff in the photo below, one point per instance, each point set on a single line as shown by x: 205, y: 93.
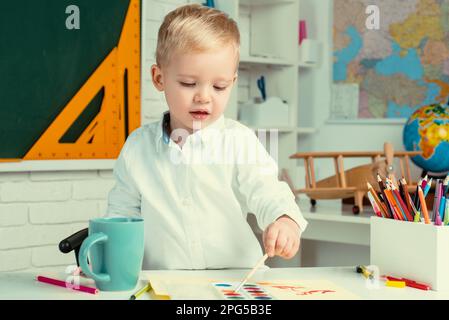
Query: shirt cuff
x: 295, y: 216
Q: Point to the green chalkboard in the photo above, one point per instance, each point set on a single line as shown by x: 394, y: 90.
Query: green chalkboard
x: 43, y: 64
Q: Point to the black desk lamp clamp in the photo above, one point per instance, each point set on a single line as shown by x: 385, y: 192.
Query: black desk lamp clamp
x: 74, y: 242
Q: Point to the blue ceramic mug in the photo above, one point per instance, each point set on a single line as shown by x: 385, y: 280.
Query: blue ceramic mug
x: 115, y: 247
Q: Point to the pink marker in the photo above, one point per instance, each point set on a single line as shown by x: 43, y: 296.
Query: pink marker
x: 67, y: 285
x: 302, y: 31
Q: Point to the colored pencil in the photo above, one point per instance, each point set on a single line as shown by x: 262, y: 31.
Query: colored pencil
x: 416, y: 214
x: 436, y: 200
x: 424, y: 182
x: 416, y: 196
x: 407, y: 197
x: 396, y: 198
x: 382, y: 187
x: 396, y: 212
x: 67, y: 285
x: 446, y: 216
x: 442, y: 209
x: 401, y: 189
x: 446, y: 180
x: 423, y: 206
x: 403, y: 205
x: 374, y: 205
x: 428, y: 186
x: 378, y: 201
x: 391, y: 201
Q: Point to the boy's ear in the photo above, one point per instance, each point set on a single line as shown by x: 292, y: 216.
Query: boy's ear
x: 236, y: 76
x: 156, y: 76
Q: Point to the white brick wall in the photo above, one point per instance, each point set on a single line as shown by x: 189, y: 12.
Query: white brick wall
x: 39, y: 209
x: 35, y: 191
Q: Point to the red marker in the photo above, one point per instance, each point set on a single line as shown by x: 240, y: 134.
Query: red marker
x: 410, y: 283
x: 417, y: 285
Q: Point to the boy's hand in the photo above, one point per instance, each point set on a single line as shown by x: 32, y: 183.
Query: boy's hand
x: 282, y: 238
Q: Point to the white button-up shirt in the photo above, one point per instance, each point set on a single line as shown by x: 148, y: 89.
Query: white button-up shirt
x: 195, y: 199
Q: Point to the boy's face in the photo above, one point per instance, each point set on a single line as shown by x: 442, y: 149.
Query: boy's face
x: 197, y: 86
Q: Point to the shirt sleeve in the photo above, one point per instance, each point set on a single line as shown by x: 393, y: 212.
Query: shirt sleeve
x: 266, y: 196
x: 124, y: 199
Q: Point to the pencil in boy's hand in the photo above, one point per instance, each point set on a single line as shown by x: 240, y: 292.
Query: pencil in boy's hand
x: 250, y: 274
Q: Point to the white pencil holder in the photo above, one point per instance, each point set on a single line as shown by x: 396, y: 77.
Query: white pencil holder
x: 416, y: 251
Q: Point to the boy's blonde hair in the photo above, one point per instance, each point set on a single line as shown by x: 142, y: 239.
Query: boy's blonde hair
x: 195, y: 28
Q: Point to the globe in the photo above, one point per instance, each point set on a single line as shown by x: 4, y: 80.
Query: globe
x: 427, y: 130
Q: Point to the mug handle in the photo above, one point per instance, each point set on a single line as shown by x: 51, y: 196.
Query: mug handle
x: 87, y: 243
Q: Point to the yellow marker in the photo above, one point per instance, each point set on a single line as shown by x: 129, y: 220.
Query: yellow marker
x: 364, y: 271
x: 395, y: 284
x: 140, y: 292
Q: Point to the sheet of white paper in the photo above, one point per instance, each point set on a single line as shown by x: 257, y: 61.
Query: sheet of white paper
x: 345, y: 101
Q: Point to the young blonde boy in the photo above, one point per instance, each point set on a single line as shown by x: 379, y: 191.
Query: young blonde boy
x: 194, y: 175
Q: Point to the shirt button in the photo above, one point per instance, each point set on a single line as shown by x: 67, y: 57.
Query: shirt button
x: 186, y: 202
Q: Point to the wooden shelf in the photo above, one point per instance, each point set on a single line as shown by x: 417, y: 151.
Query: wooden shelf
x: 306, y: 130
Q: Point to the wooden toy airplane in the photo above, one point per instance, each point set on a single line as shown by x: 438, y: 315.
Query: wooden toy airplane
x: 352, y: 182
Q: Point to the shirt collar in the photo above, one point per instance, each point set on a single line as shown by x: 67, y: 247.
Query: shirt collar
x: 205, y: 134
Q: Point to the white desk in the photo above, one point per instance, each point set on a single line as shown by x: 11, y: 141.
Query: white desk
x: 334, y: 236
x: 332, y: 222
x: 21, y: 285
